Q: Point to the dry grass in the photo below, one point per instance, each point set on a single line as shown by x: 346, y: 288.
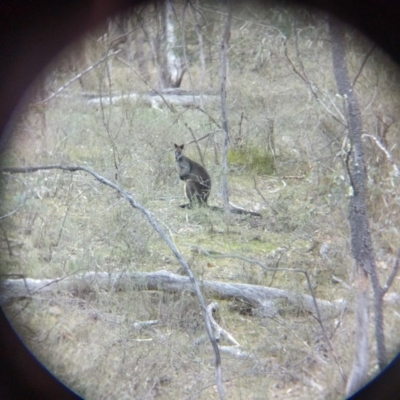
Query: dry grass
x: 70, y: 224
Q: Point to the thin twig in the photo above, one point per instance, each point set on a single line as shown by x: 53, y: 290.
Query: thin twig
x: 314, y: 90
x: 386, y: 151
x: 16, y: 209
x: 210, y: 117
x: 170, y: 106
x: 76, y: 77
x: 196, y: 143
x: 393, y: 274
x: 363, y: 64
x: 262, y: 196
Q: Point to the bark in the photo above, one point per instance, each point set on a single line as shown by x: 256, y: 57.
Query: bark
x: 361, y: 240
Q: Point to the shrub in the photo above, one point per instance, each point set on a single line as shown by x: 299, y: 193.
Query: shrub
x: 254, y: 159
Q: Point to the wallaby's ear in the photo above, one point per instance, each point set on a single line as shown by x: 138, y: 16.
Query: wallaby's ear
x: 176, y: 146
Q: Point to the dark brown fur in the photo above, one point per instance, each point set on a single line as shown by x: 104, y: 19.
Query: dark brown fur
x: 197, y: 180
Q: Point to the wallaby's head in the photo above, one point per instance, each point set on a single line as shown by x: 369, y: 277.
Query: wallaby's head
x: 178, y: 151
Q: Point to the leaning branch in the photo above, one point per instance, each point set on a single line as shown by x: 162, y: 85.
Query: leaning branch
x: 76, y: 77
x: 127, y: 196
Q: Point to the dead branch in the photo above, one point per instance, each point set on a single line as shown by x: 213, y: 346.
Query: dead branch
x: 239, y: 210
x: 219, y: 332
x: 386, y: 151
x: 393, y: 274
x: 155, y: 99
x: 299, y: 177
x: 205, y: 136
x: 370, y: 51
x: 140, y: 325
x: 210, y: 117
x: 196, y: 143
x: 170, y: 106
x: 262, y: 196
x: 9, y: 214
x: 313, y: 88
x: 78, y: 76
x: 236, y: 210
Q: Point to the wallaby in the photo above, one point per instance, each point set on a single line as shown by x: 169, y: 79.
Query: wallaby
x: 197, y: 180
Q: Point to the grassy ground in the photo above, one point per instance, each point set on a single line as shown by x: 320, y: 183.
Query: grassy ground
x: 71, y: 223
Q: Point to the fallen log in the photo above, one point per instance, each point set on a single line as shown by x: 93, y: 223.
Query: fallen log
x: 263, y: 299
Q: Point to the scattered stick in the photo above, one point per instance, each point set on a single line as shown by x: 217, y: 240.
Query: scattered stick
x: 235, y: 210
x: 298, y: 177
x: 335, y: 279
x: 139, y: 325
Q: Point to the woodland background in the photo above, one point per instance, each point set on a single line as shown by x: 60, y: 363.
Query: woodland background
x: 153, y: 79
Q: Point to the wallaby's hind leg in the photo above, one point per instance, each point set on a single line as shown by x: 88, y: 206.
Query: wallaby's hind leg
x: 188, y: 190
x: 195, y: 193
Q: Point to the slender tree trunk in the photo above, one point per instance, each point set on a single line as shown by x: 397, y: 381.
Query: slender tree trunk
x: 361, y: 241
x: 39, y: 94
x: 164, y: 45
x: 174, y: 65
x: 140, y: 56
x: 224, y: 73
x: 359, y: 370
x: 202, y: 56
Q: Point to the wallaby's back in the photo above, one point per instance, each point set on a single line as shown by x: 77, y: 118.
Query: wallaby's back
x: 197, y: 180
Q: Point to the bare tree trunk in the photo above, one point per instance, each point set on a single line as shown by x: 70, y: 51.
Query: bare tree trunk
x: 140, y: 56
x: 164, y: 45
x: 116, y: 40
x: 174, y: 67
x: 361, y: 241
x: 224, y: 72
x: 202, y: 56
x: 39, y: 94
x: 359, y: 369
x: 153, y: 33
